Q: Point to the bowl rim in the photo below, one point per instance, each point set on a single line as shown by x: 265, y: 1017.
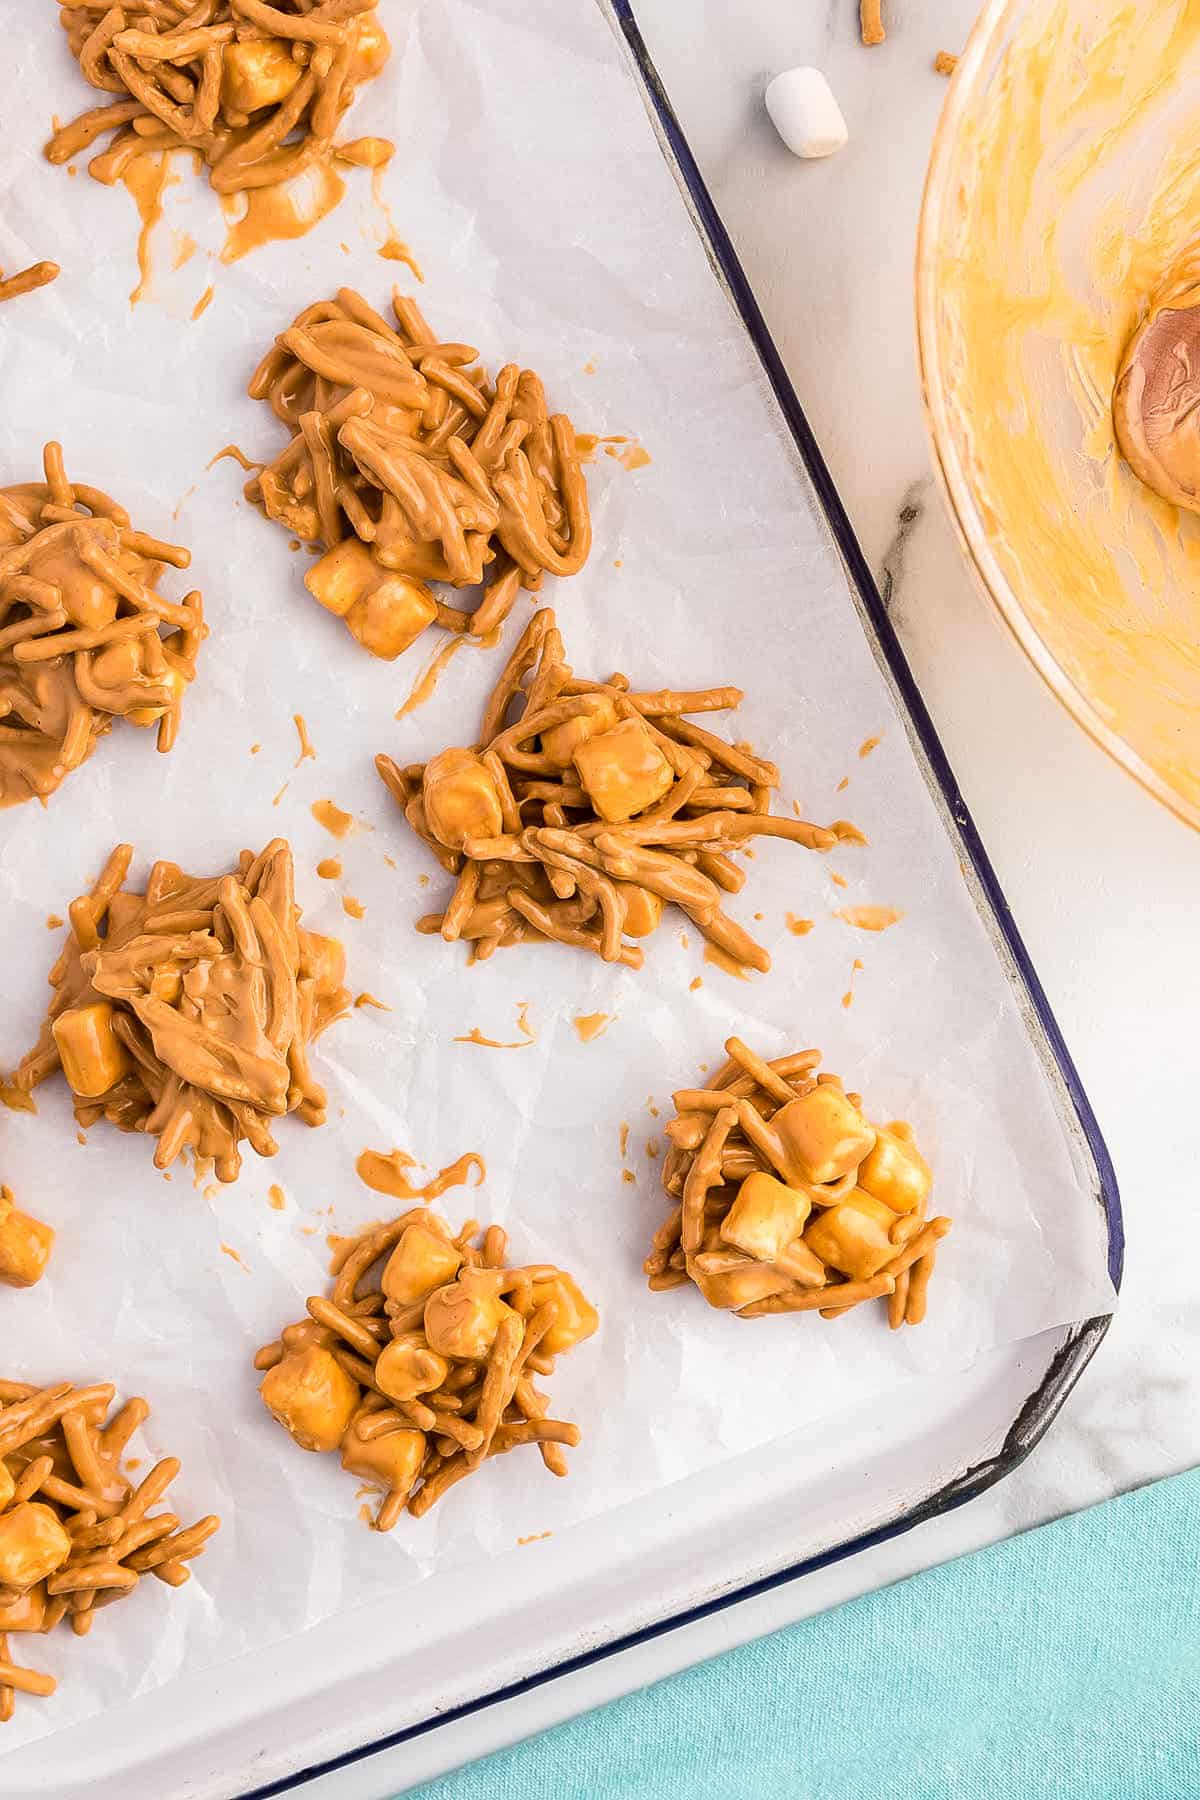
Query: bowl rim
x: 955, y: 484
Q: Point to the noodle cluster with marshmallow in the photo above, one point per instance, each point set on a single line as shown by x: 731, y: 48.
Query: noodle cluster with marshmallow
x: 258, y: 91
x: 81, y: 630
x: 785, y: 1199
x: 408, y: 465
x: 420, y: 1365
x: 186, y: 1010
x: 75, y: 1533
x: 592, y: 811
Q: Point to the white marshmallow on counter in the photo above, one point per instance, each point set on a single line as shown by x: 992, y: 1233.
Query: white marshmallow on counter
x: 805, y: 113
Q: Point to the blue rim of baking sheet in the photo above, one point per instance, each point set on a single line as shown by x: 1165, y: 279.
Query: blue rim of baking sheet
x: 1040, y: 1408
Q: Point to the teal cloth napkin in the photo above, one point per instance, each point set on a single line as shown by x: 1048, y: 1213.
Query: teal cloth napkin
x: 1061, y: 1665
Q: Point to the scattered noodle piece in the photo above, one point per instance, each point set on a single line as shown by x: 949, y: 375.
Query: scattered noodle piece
x: 420, y: 1364
x: 785, y: 1199
x: 944, y: 63
x: 581, y: 820
x: 408, y: 465
x: 75, y: 1534
x: 186, y: 1011
x: 870, y: 19
x: 81, y: 623
x: 37, y: 275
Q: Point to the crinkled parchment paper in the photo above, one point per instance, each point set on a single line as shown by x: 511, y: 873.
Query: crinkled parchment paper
x: 529, y: 184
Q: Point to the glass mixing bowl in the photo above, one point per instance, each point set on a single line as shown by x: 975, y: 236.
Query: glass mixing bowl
x: 1063, y: 195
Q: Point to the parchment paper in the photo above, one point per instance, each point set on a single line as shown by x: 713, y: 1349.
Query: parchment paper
x: 529, y: 184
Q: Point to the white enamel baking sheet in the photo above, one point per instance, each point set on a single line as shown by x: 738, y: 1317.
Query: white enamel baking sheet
x: 529, y: 184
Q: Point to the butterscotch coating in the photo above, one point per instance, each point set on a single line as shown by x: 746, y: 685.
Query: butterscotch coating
x: 86, y: 636
x: 257, y: 91
x: 436, y: 1343
x: 409, y: 466
x: 462, y: 1319
x: 786, y: 1199
x: 583, y: 818
x: 186, y: 1010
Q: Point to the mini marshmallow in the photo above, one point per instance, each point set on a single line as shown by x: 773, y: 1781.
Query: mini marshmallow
x: 805, y: 113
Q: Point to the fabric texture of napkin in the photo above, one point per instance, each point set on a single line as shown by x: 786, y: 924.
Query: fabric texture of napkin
x: 1063, y: 1664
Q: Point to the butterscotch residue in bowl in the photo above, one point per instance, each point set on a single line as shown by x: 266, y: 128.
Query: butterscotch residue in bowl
x: 82, y: 625
x: 408, y: 465
x: 785, y: 1199
x: 420, y: 1364
x: 75, y: 1534
x: 186, y: 1011
x: 582, y: 819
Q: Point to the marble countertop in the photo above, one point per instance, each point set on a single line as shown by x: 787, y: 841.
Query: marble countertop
x: 1101, y: 881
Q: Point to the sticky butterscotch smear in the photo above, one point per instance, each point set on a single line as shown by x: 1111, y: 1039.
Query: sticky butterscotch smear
x: 25, y: 1246
x: 589, y: 1026
x: 420, y: 1363
x: 387, y: 1172
x: 337, y: 822
x: 582, y: 819
x: 37, y: 275
x: 82, y: 628
x: 785, y: 1199
x: 307, y: 751
x: 75, y: 1533
x: 408, y: 465
x: 257, y: 91
x: 186, y: 1011
x: 869, y: 918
